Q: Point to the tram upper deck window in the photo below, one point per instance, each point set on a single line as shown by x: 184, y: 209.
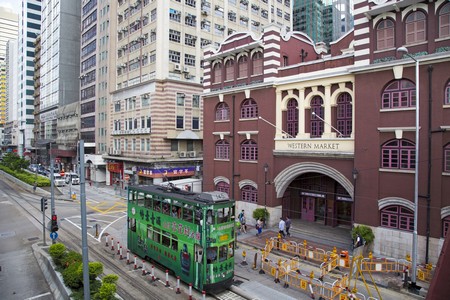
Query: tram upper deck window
x: 174, y: 242
x: 176, y: 209
x: 209, y: 217
x: 231, y: 249
x: 156, y: 205
x: 165, y: 239
x: 187, y: 213
x: 156, y: 235
x: 140, y: 199
x: 148, y: 201
x: 166, y: 206
x: 198, y: 216
x: 211, y: 255
x: 224, y: 214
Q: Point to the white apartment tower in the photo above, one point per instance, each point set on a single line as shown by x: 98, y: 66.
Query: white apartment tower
x: 156, y: 75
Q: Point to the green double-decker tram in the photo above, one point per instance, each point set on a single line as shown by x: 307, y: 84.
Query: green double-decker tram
x: 191, y: 234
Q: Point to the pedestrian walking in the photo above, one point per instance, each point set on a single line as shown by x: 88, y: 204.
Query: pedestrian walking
x: 282, y: 227
x: 259, y: 226
x: 243, y: 224
x: 288, y: 225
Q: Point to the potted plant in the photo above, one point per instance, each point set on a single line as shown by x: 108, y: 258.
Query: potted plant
x: 366, y: 237
x: 261, y: 213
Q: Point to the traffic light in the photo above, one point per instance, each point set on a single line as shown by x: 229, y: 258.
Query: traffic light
x: 43, y: 204
x: 54, y: 223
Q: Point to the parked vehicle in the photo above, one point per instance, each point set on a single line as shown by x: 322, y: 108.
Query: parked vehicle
x: 33, y: 167
x: 58, y: 180
x: 72, y: 177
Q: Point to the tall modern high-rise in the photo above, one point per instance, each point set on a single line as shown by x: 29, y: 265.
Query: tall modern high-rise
x: 59, y: 76
x: 29, y: 29
x: 322, y: 20
x: 8, y: 32
x: 156, y: 75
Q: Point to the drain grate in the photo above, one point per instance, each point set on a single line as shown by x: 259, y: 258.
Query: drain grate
x: 237, y: 282
x: 33, y: 238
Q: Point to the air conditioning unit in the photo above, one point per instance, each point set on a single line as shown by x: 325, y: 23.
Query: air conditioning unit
x: 192, y: 154
x: 177, y: 67
x: 185, y: 69
x: 204, y: 12
x: 182, y: 154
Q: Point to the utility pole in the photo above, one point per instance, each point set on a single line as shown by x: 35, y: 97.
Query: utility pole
x: 84, y: 246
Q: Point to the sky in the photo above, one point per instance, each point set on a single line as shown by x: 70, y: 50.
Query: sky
x: 12, y: 4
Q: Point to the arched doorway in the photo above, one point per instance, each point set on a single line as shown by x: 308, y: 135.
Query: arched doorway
x: 315, y: 192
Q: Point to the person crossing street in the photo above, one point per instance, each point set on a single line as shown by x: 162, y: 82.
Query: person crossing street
x: 282, y: 227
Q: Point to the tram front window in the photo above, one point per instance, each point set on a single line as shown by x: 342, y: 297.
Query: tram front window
x: 211, y: 255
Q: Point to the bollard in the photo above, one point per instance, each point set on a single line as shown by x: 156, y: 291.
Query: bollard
x: 118, y: 247
x: 405, y: 277
x: 135, y: 263
x: 107, y: 238
x: 112, y: 244
x: 190, y: 291
x: 255, y: 261
x: 312, y: 291
x: 143, y: 268
x: 277, y: 280
x: 203, y: 295
x: 244, y: 262
x: 153, y: 274
x: 178, y: 285
x: 128, y: 257
x: 167, y: 278
x: 120, y: 253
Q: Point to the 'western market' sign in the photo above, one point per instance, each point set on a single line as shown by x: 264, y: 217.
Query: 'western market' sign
x: 321, y: 145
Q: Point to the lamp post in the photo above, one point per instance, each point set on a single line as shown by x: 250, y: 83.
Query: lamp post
x: 266, y: 169
x: 355, y: 176
x: 404, y: 51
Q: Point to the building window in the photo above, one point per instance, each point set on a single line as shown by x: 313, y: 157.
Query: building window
x: 257, y: 60
x: 190, y: 39
x: 445, y: 226
x: 180, y: 122
x: 174, y: 56
x: 447, y: 94
x: 222, y: 150
x: 415, y: 27
x: 175, y: 15
x: 397, y: 217
x: 174, y: 35
x: 447, y: 158
x: 189, y: 59
x: 444, y: 21
x: 344, y: 114
x: 180, y: 99
x: 218, y: 73
x: 249, y: 194
x: 398, y: 154
x: 249, y: 109
x: 249, y: 150
x: 292, y: 118
x: 243, y: 66
x: 399, y: 94
x: 222, y: 112
x: 195, y: 123
x: 385, y: 34
x: 229, y: 70
x: 195, y: 100
x: 223, y: 187
x: 317, y: 115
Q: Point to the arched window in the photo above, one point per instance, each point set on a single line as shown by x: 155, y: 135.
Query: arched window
x: 385, y: 34
x: 399, y: 94
x: 344, y: 114
x: 398, y: 154
x: 292, y: 118
x: 398, y: 217
x: 218, y: 73
x: 416, y: 27
x: 229, y: 70
x: 447, y: 94
x: 249, y: 150
x: 249, y: 194
x: 257, y: 59
x: 444, y: 21
x: 222, y: 112
x: 317, y: 115
x: 222, y: 149
x: 445, y: 226
x: 249, y: 109
x: 223, y: 187
x: 447, y: 158
x: 243, y: 66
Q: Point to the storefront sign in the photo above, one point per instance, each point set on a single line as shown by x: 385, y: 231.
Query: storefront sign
x: 114, y: 167
x: 344, y: 199
x: 313, y: 195
x: 165, y: 172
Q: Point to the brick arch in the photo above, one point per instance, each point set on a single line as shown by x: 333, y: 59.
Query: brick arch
x: 285, y: 177
x: 388, y: 201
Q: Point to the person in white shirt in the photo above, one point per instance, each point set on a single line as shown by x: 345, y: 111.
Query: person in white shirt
x: 281, y: 227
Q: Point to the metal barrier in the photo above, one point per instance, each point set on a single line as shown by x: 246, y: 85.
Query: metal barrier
x: 385, y: 265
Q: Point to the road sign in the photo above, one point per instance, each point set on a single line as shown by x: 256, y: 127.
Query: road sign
x: 62, y: 173
x: 53, y: 235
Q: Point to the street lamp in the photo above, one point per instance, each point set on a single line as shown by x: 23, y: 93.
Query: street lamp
x: 404, y: 51
x: 266, y: 169
x: 355, y: 176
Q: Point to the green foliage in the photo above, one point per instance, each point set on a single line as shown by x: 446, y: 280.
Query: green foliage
x: 95, y: 269
x: 15, y: 162
x: 111, y: 278
x: 259, y: 213
x: 106, y: 292
x: 72, y: 276
x: 70, y: 258
x: 27, y: 177
x: 365, y: 232
x: 57, y: 252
